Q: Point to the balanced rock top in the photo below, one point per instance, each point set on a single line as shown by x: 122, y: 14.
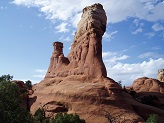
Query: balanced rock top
x: 160, y: 76
x: 85, y: 57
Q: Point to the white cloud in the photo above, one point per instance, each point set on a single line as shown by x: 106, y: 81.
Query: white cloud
x: 136, y: 22
x: 39, y: 76
x: 156, y: 13
x: 116, y: 10
x: 109, y: 35
x: 62, y: 27
x: 150, y: 34
x: 158, y: 27
x: 151, y: 55
x: 113, y: 57
x: 137, y: 31
x: 40, y: 73
x: 137, y: 28
x: 66, y: 39
x: 127, y: 73
x: 107, y: 54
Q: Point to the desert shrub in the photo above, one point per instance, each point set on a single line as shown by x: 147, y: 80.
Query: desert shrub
x: 28, y: 83
x: 39, y: 116
x: 67, y: 118
x: 153, y: 118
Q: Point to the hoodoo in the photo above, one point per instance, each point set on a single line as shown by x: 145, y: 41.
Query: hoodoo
x: 79, y: 83
x: 85, y: 57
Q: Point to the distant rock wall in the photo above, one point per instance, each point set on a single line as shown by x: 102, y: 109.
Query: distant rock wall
x: 160, y: 76
x: 85, y: 57
x: 145, y: 84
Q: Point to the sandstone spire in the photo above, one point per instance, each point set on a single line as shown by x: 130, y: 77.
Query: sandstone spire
x: 69, y: 85
x: 85, y: 57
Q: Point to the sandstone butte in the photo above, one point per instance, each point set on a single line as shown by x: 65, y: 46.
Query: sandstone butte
x: 79, y: 83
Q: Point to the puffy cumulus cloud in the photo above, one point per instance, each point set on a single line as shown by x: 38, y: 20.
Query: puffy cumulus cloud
x: 116, y: 10
x: 127, y: 73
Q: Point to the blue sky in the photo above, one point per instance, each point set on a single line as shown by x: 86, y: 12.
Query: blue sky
x: 133, y: 45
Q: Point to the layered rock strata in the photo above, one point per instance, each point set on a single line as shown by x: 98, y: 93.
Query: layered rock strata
x: 146, y: 84
x: 85, y: 57
x: 79, y: 83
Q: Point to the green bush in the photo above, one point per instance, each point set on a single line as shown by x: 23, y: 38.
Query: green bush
x: 39, y: 116
x: 11, y: 112
x: 28, y: 83
x: 10, y: 100
x: 153, y: 118
x: 67, y: 118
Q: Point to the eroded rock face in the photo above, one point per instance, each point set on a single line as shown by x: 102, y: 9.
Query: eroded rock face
x: 57, y: 62
x: 160, y: 76
x: 79, y: 83
x: 85, y: 57
x: 145, y: 84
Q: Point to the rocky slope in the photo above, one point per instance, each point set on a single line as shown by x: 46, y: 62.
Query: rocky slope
x: 79, y: 83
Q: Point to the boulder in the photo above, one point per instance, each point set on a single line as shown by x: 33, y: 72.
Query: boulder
x: 146, y: 84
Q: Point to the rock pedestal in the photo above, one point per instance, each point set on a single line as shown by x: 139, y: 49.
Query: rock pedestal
x: 85, y: 57
x: 79, y: 83
x: 57, y: 62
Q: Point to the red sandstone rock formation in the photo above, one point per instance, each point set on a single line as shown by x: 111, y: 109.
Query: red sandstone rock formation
x: 79, y: 84
x: 145, y: 87
x: 85, y: 57
x: 145, y: 84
